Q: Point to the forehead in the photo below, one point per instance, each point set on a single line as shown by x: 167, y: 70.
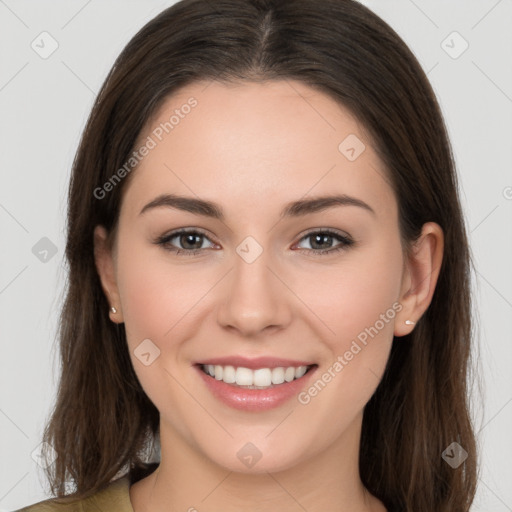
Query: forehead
x: 248, y: 143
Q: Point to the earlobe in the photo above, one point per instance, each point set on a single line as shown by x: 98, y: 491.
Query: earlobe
x: 103, y: 258
x: 420, y: 277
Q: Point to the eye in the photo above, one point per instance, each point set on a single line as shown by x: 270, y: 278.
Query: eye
x: 321, y: 240
x: 191, y: 241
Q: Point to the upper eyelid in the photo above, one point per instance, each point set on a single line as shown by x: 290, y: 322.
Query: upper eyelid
x: 181, y: 231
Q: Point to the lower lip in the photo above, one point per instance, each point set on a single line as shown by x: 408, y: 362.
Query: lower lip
x: 255, y: 399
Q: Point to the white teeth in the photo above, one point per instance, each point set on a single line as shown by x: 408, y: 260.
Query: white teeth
x: 262, y: 377
x: 255, y: 379
x: 277, y: 375
x: 244, y: 377
x: 229, y: 374
x: 300, y: 371
x: 289, y: 374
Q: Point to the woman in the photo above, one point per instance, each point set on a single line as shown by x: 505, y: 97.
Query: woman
x: 309, y: 348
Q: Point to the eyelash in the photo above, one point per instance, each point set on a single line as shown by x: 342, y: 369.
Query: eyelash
x: 164, y: 241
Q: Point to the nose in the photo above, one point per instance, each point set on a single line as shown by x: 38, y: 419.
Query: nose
x: 254, y: 299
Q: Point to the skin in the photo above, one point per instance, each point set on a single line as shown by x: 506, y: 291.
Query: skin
x: 243, y: 146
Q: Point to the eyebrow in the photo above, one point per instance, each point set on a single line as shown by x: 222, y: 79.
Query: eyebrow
x: 293, y: 209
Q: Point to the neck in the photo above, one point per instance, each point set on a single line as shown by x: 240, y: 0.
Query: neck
x: 187, y: 480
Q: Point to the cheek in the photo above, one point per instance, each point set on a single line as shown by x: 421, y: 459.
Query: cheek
x: 156, y: 295
x: 360, y: 306
x: 358, y: 302
x: 158, y: 304
x: 144, y: 294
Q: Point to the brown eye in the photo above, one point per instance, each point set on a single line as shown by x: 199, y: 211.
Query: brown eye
x: 190, y: 240
x: 321, y: 242
x: 187, y: 242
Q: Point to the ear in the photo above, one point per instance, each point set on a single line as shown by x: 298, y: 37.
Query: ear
x: 105, y: 265
x: 421, y: 271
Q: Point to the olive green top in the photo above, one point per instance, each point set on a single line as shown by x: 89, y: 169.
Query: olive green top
x: 115, y: 497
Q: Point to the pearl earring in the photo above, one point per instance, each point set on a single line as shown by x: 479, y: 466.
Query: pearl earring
x: 409, y: 322
x: 113, y: 309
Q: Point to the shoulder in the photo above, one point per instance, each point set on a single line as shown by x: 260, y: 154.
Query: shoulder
x: 115, y: 496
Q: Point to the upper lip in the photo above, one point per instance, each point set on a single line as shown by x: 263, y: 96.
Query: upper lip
x: 254, y: 363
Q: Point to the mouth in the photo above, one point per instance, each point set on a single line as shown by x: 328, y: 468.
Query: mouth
x: 254, y: 384
x: 256, y: 389
x: 258, y: 378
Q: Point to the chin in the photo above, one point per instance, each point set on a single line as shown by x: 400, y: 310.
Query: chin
x: 258, y: 457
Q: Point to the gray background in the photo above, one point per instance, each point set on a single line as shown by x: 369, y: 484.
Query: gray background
x: 44, y: 105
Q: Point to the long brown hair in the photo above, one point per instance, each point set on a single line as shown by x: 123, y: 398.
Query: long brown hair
x: 103, y: 423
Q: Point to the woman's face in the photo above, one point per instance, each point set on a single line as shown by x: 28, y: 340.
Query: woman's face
x: 272, y: 276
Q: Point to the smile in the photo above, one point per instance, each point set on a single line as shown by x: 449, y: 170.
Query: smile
x: 254, y: 389
x: 262, y: 378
